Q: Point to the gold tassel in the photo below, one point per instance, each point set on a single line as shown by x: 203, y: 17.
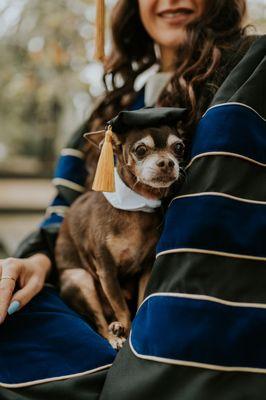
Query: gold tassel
x: 100, y: 21
x: 104, y: 180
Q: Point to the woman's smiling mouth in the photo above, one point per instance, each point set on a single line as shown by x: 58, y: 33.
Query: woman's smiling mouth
x: 176, y: 16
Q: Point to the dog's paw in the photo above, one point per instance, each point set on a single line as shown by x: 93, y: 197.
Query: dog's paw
x: 116, y: 342
x: 117, y: 329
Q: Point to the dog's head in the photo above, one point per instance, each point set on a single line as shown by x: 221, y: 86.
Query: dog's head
x: 152, y: 155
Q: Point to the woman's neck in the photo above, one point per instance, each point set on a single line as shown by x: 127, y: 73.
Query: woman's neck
x: 167, y: 59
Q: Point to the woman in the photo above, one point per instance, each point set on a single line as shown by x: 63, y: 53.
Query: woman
x: 197, y: 44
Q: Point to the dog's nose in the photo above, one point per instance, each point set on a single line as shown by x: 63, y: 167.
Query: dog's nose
x: 165, y: 163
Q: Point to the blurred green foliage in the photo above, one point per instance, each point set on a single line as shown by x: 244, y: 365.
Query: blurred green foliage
x: 44, y: 46
x: 48, y: 80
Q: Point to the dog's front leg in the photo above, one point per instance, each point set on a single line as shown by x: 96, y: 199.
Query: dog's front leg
x: 143, y: 281
x: 107, y: 273
x: 77, y: 288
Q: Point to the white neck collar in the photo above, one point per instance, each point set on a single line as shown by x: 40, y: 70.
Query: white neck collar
x: 154, y: 86
x: 126, y: 199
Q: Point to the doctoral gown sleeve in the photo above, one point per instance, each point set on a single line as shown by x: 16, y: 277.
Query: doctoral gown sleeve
x: 200, y: 332
x: 69, y: 180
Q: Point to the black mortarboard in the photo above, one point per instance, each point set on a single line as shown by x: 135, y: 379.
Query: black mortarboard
x: 146, y: 117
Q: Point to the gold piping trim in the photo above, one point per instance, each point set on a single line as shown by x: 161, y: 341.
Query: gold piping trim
x: 219, y: 194
x: 72, y: 152
x: 212, y: 252
x: 68, y: 184
x: 192, y: 363
x: 195, y: 364
x: 60, y: 210
x: 224, y: 153
x: 235, y: 103
x: 58, y: 378
x: 211, y: 299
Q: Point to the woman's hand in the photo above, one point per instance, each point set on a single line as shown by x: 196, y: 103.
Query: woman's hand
x: 28, y: 274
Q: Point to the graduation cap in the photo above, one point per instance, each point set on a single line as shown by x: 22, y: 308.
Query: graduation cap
x: 123, y: 122
x: 145, y: 118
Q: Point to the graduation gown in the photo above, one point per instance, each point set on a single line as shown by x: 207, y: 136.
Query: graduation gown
x: 200, y: 331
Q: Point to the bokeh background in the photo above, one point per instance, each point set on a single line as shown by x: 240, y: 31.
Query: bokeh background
x: 48, y: 85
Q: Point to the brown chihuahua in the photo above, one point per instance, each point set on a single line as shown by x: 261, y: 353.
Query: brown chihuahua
x: 106, y: 245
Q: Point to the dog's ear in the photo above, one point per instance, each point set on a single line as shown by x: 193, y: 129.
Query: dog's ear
x: 95, y: 138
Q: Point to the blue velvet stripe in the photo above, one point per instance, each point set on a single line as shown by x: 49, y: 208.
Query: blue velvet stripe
x: 46, y: 339
x: 231, y: 128
x: 59, y: 201
x: 71, y: 168
x: 139, y: 101
x: 201, y: 331
x: 53, y: 219
x: 216, y: 223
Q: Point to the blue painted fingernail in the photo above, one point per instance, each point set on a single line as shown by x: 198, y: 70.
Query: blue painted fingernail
x: 14, y: 306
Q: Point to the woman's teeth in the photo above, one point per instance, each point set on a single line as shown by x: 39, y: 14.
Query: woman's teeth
x: 171, y: 14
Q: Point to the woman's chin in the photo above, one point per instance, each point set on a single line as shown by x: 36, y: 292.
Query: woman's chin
x: 172, y: 39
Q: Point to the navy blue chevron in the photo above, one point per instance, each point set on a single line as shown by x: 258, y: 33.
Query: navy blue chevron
x: 215, y: 223
x: 42, y: 351
x: 70, y: 170
x: 201, y: 331
x: 55, y: 212
x: 53, y: 219
x: 231, y: 128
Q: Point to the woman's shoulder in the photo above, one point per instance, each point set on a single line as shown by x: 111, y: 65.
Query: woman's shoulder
x: 252, y: 43
x: 247, y: 46
x: 259, y: 43
x: 252, y: 50
x: 244, y: 83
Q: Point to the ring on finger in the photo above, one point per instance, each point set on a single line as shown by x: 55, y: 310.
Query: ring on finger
x: 8, y: 277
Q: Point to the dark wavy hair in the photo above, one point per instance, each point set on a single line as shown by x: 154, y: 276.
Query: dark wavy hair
x: 213, y: 45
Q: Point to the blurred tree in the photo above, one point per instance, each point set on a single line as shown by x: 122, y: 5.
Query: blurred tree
x: 48, y: 80
x: 45, y: 48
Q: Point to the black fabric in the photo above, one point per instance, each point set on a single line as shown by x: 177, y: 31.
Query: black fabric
x: 69, y: 195
x: 218, y: 177
x: 131, y: 378
x: 77, y: 141
x: 201, y: 274
x: 40, y: 241
x: 85, y: 387
x: 244, y: 77
x: 146, y: 117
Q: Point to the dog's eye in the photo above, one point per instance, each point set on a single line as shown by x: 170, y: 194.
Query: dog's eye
x: 178, y: 149
x: 141, y: 150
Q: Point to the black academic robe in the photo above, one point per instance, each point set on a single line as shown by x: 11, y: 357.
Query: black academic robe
x: 200, y: 332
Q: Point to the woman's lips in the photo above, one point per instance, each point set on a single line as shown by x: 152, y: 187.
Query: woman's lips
x: 176, y: 16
